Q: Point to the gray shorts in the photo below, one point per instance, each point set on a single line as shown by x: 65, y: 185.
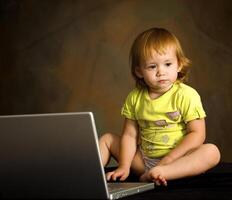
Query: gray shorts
x: 149, y: 162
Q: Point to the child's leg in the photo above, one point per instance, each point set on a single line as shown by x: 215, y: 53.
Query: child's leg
x: 193, y: 163
x: 109, y: 146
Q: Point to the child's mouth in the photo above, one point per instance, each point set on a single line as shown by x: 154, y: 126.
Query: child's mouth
x: 162, y: 81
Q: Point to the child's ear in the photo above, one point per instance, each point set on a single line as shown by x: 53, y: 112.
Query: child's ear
x: 138, y: 72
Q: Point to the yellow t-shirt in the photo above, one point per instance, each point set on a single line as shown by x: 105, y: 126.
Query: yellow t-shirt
x: 162, y: 121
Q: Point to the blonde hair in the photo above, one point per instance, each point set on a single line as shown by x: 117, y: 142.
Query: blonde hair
x: 156, y: 39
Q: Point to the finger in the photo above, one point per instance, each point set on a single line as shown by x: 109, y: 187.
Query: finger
x: 123, y: 177
x: 115, y: 176
x: 109, y: 175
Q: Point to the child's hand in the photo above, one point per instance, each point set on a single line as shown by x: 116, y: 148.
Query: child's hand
x: 120, y: 173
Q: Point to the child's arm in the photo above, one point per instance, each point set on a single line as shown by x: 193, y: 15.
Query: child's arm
x: 194, y: 137
x: 128, y: 147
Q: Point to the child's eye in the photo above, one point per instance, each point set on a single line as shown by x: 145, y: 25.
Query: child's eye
x: 151, y: 66
x: 168, y: 64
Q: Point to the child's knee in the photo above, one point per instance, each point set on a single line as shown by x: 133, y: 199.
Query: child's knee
x: 107, y: 138
x: 213, y: 153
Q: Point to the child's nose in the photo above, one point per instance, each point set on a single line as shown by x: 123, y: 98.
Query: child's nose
x: 160, y: 71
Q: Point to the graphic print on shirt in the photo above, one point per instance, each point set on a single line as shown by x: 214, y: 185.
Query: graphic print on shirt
x: 161, y: 122
x: 165, y: 139
x: 173, y: 115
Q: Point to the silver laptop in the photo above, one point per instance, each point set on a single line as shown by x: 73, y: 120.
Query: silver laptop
x: 55, y: 156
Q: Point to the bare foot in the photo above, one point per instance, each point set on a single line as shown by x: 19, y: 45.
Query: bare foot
x: 155, y: 175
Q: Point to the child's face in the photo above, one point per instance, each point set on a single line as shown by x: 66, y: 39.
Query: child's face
x: 160, y: 70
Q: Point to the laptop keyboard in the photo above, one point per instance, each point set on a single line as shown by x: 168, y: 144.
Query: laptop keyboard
x: 112, y: 186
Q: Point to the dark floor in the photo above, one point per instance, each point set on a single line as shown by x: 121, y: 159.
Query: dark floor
x: 214, y: 184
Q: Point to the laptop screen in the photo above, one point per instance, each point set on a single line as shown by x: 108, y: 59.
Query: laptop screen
x: 50, y: 156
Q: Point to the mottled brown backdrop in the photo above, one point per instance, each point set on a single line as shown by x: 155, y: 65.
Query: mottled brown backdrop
x: 72, y: 55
